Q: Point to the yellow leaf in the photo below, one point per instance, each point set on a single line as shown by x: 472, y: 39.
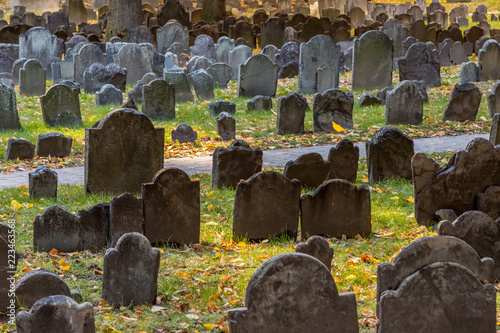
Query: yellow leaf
x: 15, y: 205
x: 23, y: 187
x: 411, y: 199
x: 65, y: 268
x: 350, y: 277
x: 208, y: 326
x: 211, y: 207
x: 241, y: 244
x: 337, y: 127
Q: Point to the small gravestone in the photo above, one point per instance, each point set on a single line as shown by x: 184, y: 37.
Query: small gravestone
x: 291, y: 113
x: 172, y: 208
x: 16, y: 68
x: 317, y: 306
x: 489, y: 201
x: 60, y: 98
x: 122, y: 168
x: 158, y: 100
x: 107, y: 95
x: 38, y: 284
x: 404, y: 105
x: 222, y: 48
x: 310, y: 169
x: 464, y: 103
x: 43, y: 182
x: 468, y: 73
x: 488, y: 58
x: 457, y: 53
x: 19, y: 149
x: 202, y: 84
x: 278, y: 200
x: 221, y: 74
x: 125, y: 215
x: 182, y: 88
x: 171, y: 33
x: 130, y: 274
x: 317, y: 247
x: 369, y: 100
x: 493, y: 101
x: 9, y: 118
x: 258, y: 76
x: 220, y: 106
x: 382, y: 94
x: 57, y: 228
x: 66, y: 119
x: 495, y: 130
x: 136, y: 93
x: 260, y: 103
x: 98, y: 75
x: 332, y: 106
x: 32, y: 79
x: 421, y: 62
x: 389, y: 155
x: 237, y: 161
x: 184, y: 133
x: 343, y: 159
x: 53, y: 144
x: 226, y: 126
x: 95, y: 224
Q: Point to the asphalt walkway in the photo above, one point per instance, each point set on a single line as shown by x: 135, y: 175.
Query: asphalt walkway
x: 276, y: 157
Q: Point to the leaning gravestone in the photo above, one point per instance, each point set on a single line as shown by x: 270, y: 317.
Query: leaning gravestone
x: 404, y: 105
x: 495, y: 130
x: 57, y: 228
x: 343, y: 159
x: 291, y: 113
x: 372, y: 61
x: 9, y: 118
x: 158, y: 100
x: 317, y: 247
x: 332, y: 106
x: 318, y: 307
x: 60, y: 98
x: 19, y: 149
x: 203, y: 84
x: 310, y: 169
x: 236, y: 162
x: 389, y: 155
x: 278, y: 200
x: 493, y: 100
x: 130, y: 274
x: 226, y: 126
x: 421, y: 63
x: 43, y: 182
x: 32, y: 79
x: 464, y: 103
x: 126, y: 214
x: 258, y: 76
x: 38, y: 284
x: 172, y: 208
x: 112, y: 168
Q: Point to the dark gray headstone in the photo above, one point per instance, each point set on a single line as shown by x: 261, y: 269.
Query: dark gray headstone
x: 203, y: 84
x: 468, y: 73
x: 203, y: 46
x: 60, y: 98
x: 95, y: 226
x: 493, y: 100
x: 9, y: 118
x: 184, y: 133
x: 226, y: 126
x: 258, y: 76
x: 98, y: 75
x: 495, y: 130
x: 369, y: 100
x: 108, y: 94
x: 19, y: 149
x: 488, y: 58
x: 343, y: 159
x: 89, y: 54
x: 260, y: 103
x: 464, y: 103
x: 421, y: 62
x: 291, y: 113
x: 135, y: 59
x: 457, y: 53
x: 57, y: 228
x: 182, y: 87
x: 158, y: 100
x: 32, y: 79
x: 221, y: 74
x: 332, y: 106
x: 220, y: 106
x: 319, y: 248
x: 404, y: 105
x: 125, y: 215
x: 43, y: 182
x: 310, y: 169
x: 38, y: 284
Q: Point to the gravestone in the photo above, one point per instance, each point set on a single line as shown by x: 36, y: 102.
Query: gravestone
x: 464, y: 103
x: 66, y: 119
x: 172, y: 208
x: 495, y: 130
x: 335, y: 209
x: 343, y: 159
x: 9, y: 118
x: 95, y: 226
x: 332, y: 106
x: 404, y: 105
x: 397, y: 33
x: 181, y: 84
x: 318, y: 307
x: 57, y: 228
x: 125, y: 215
x: 172, y: 32
x: 220, y: 106
x: 291, y: 113
x: 38, y: 284
x: 158, y: 100
x: 107, y: 95
x: 258, y: 76
x: 457, y: 53
x: 226, y: 126
x: 135, y: 59
x: 38, y: 43
x: 221, y: 74
x: 203, y: 46
x: 16, y: 67
x: 489, y: 201
x: 222, y: 48
x: 43, y: 182
x: 112, y: 168
x: 203, y: 84
x: 369, y: 100
x: 389, y: 155
x: 310, y: 169
x: 421, y: 63
x: 32, y: 79
x: 130, y: 274
x: 53, y: 144
x: 237, y: 161
x: 19, y: 149
x: 238, y: 56
x: 317, y: 247
x: 60, y: 98
x: 468, y: 73
x: 488, y: 58
x: 273, y: 32
x: 493, y: 101
x: 184, y: 133
x: 260, y: 103
x: 270, y: 51
x: 89, y: 54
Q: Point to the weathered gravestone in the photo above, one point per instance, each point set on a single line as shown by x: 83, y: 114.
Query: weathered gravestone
x: 495, y: 130
x: 57, y: 314
x: 43, y: 182
x: 421, y: 63
x: 397, y: 33
x: 130, y: 274
x: 38, y: 43
x: 258, y: 76
x: 108, y: 94
x: 203, y: 46
x: 493, y: 100
x: 488, y: 59
x: 57, y: 228
x: 182, y: 87
x: 317, y: 247
x: 489, y: 201
x: 60, y: 98
x: 238, y: 56
x: 158, y: 100
x: 444, y: 280
x: 260, y: 103
x: 95, y: 223
x: 203, y: 84
x: 372, y: 61
x: 464, y: 103
x: 126, y: 214
x: 278, y: 200
x: 38, y: 284
x: 291, y: 113
x: 53, y: 144
x: 457, y: 53
x: 236, y: 162
x: 184, y: 133
x: 172, y: 208
x: 389, y: 155
x: 310, y: 169
x: 226, y: 126
x: 343, y: 159
x: 404, y: 105
x: 9, y: 118
x: 221, y: 74
x: 113, y: 168
x: 468, y: 73
x: 369, y: 100
x: 222, y: 48
x: 19, y: 149
x: 273, y: 32
x: 336, y: 208
x: 332, y: 106
x: 89, y: 54
x: 16, y: 67
x: 32, y: 79
x: 318, y: 307
x: 220, y: 106
x: 135, y: 59
x: 172, y: 32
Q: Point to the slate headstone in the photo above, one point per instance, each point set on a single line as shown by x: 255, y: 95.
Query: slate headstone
x: 317, y: 247
x: 464, y: 103
x: 60, y: 98
x: 108, y: 94
x: 32, y: 79
x: 332, y: 106
x: 404, y: 105
x: 9, y: 118
x: 53, y: 144
x: 38, y: 284
x: 343, y: 159
x: 258, y: 76
x: 19, y: 149
x: 220, y: 106
x: 158, y: 100
x: 57, y: 228
x: 226, y: 126
x: 43, y: 182
x: 310, y: 169
x: 291, y: 113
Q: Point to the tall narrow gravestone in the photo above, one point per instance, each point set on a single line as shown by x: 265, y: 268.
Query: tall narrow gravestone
x: 32, y: 78
x: 122, y: 152
x: 9, y: 118
x: 258, y: 76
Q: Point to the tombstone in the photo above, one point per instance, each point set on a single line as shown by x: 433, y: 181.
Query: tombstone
x: 158, y: 102
x: 420, y: 63
x: 95, y: 226
x: 39, y: 44
x: 389, y: 155
x: 135, y: 59
x: 203, y: 84
x: 404, y: 105
x: 221, y: 74
x: 57, y: 314
x: 278, y: 199
x: 270, y: 51
x: 468, y: 73
x: 495, y: 131
x: 125, y: 215
x: 9, y: 118
x: 184, y: 133
x: 489, y: 202
x: 32, y: 79
x: 130, y: 272
x: 19, y: 149
x: 397, y: 33
x: 372, y: 61
x: 332, y: 106
x: 310, y: 169
x: 317, y: 247
x: 57, y: 228
x: 464, y: 103
x: 142, y: 34
x: 318, y: 306
x: 258, y: 76
x: 88, y: 55
x: 260, y: 103
x: 53, y: 144
x: 273, y: 32
x: 238, y: 56
x: 488, y: 58
x: 493, y: 101
x: 457, y: 53
x: 60, y: 98
x: 226, y: 126
x: 38, y: 284
x: 222, y: 48
x: 343, y: 159
x: 43, y: 182
x: 171, y: 33
x: 182, y: 87
x: 242, y: 29
x: 203, y: 46
x: 117, y: 169
x: 107, y: 95
x: 291, y: 113
x: 220, y: 106
x: 318, y: 52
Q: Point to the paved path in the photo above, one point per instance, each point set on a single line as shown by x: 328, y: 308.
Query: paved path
x: 277, y: 157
